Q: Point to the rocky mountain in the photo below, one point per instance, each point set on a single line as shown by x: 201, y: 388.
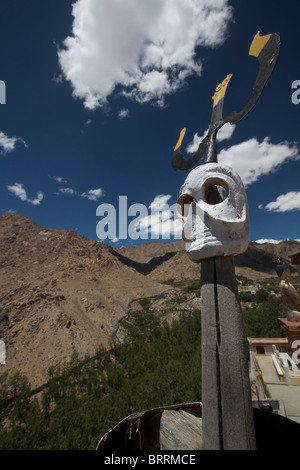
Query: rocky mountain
x: 60, y: 292
x: 283, y: 249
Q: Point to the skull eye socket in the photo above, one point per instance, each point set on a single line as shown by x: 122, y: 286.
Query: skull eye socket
x: 183, y: 204
x: 215, y: 191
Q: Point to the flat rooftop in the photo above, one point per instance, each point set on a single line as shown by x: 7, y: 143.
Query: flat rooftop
x: 268, y: 340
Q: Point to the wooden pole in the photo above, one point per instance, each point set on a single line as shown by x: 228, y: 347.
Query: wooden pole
x: 227, y: 414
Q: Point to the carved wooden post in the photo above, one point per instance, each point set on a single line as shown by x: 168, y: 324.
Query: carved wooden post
x: 227, y: 415
x: 215, y: 230
x: 226, y: 388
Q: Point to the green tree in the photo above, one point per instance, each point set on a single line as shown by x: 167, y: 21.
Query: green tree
x: 262, y: 320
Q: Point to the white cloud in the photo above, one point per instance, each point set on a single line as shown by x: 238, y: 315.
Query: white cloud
x: 69, y: 191
x: 224, y: 133
x: 162, y: 222
x: 93, y: 194
x: 267, y: 240
x: 285, y: 202
x: 10, y: 211
x: 18, y: 190
x: 146, y: 47
x: 58, y: 179
x: 160, y: 202
x: 8, y: 144
x: 124, y: 113
x: 58, y: 79
x: 252, y: 159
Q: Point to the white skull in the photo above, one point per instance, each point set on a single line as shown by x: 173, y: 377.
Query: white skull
x: 214, y: 229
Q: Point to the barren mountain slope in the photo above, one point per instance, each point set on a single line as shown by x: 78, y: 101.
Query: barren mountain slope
x: 283, y: 249
x: 147, y: 251
x: 59, y: 293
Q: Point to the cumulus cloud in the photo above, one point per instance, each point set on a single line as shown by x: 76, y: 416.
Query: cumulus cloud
x: 285, y: 202
x: 261, y: 241
x: 58, y: 179
x: 253, y: 159
x: 161, y: 222
x: 124, y: 113
x: 224, y: 133
x: 93, y: 194
x: 8, y: 144
x: 146, y: 48
x: 69, y: 191
x: 10, y: 211
x: 18, y: 190
x: 160, y: 202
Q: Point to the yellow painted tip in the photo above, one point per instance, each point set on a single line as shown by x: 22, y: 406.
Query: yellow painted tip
x: 258, y: 44
x: 221, y: 90
x: 286, y: 275
x: 182, y: 134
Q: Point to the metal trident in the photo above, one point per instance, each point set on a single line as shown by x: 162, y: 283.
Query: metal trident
x: 266, y: 49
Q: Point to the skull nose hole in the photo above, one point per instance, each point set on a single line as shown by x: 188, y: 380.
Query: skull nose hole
x: 215, y: 191
x: 183, y: 204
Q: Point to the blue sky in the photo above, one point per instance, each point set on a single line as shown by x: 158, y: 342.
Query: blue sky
x: 97, y: 92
